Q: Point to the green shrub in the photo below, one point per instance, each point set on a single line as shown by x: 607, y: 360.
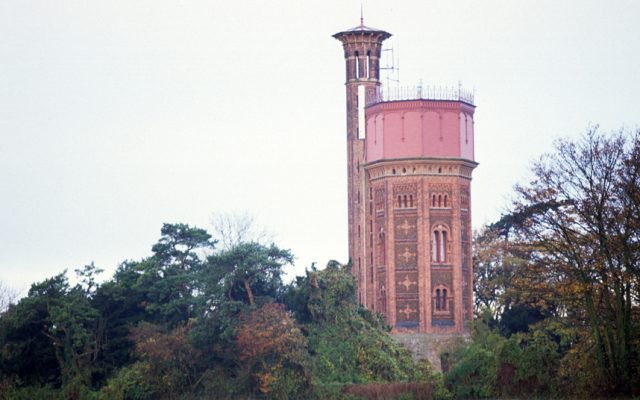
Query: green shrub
x: 130, y: 383
x: 473, y: 374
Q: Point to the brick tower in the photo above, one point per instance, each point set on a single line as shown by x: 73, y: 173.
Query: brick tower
x: 362, y: 48
x: 410, y: 160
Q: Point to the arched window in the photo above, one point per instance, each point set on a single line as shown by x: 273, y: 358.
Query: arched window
x: 433, y: 201
x: 445, y: 201
x: 357, y: 65
x: 442, y: 252
x: 399, y: 201
x: 440, y: 301
x: 405, y: 201
x: 439, y: 200
x: 410, y: 200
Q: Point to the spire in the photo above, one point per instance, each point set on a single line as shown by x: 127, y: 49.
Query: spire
x: 361, y: 15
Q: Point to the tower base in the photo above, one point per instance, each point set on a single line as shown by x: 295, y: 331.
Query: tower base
x: 431, y: 347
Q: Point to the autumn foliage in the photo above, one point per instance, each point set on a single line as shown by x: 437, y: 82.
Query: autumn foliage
x: 274, y: 350
x: 558, y: 276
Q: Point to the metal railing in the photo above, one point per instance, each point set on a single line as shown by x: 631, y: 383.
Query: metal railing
x: 420, y: 92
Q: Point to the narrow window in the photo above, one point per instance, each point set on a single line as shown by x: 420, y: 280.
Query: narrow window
x: 434, y: 247
x: 439, y: 200
x: 410, y: 200
x: 399, y: 201
x: 368, y: 63
x: 357, y: 65
x: 433, y: 201
x: 442, y: 246
x: 358, y: 230
x: 405, y: 201
x: 437, y: 299
x: 445, y: 201
x: 443, y: 302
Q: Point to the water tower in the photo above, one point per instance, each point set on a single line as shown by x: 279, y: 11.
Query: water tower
x: 410, y: 156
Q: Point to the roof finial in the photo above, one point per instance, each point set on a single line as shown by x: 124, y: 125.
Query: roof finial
x: 361, y: 15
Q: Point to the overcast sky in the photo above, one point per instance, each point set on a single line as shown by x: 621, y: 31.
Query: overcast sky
x: 119, y: 115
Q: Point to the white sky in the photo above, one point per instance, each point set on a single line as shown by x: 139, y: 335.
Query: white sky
x: 119, y: 115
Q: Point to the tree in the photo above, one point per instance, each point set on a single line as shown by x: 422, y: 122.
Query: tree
x: 54, y: 335
x: 169, y: 279
x: 8, y: 297
x: 510, y: 279
x: 273, y: 351
x: 171, y: 360
x: 233, y: 229
x: 248, y: 270
x: 580, y: 218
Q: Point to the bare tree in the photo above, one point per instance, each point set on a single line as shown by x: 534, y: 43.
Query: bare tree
x: 8, y: 296
x: 233, y: 228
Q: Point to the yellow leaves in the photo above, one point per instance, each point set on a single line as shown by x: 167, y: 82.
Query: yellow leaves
x: 265, y: 379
